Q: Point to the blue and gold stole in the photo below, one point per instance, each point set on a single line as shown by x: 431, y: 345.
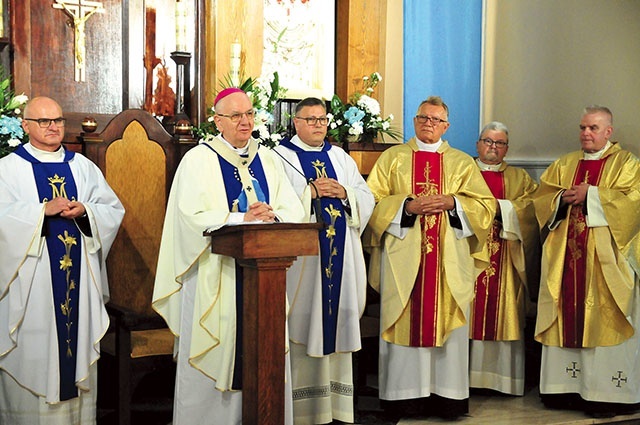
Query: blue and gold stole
x: 316, y: 164
x: 54, y: 179
x: 244, y: 179
x: 244, y: 183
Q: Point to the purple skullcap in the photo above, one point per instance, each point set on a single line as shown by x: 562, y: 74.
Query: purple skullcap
x: 226, y: 92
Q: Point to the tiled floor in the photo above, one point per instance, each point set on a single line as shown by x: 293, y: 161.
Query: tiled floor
x: 483, y: 409
x: 499, y: 410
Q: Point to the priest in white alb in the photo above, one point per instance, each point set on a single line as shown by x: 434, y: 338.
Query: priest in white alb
x: 327, y: 292
x: 58, y: 220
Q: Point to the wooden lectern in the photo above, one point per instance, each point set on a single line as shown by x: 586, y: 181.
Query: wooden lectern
x: 265, y: 251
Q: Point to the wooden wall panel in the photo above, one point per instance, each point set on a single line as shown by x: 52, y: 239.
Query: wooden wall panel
x: 360, y: 27
x: 43, y: 43
x: 225, y: 22
x: 42, y: 50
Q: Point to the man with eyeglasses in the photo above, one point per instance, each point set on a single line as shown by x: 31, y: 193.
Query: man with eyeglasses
x: 226, y: 179
x: 58, y: 219
x: 502, y: 293
x: 589, y: 302
x: 326, y: 292
x: 427, y: 243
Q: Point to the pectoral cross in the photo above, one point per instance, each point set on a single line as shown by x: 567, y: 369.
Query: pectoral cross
x: 80, y: 11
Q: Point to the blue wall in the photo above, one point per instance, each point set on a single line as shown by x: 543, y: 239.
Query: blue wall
x: 442, y: 56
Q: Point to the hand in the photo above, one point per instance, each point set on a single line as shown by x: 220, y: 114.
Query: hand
x: 260, y: 211
x: 430, y: 205
x: 576, y: 195
x: 64, y: 207
x: 328, y: 188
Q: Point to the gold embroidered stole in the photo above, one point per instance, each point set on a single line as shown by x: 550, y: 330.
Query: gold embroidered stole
x: 573, y: 292
x: 425, y: 330
x: 485, y: 308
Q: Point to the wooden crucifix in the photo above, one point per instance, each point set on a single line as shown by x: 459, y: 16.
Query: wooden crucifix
x: 80, y: 11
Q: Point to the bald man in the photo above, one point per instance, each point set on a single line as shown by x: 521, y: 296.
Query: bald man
x: 58, y: 219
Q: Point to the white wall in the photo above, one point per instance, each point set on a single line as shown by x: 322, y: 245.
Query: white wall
x: 547, y: 59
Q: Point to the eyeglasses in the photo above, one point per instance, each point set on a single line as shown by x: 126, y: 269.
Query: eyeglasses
x: 46, y: 122
x: 315, y: 120
x: 235, y: 118
x: 423, y: 119
x: 496, y: 143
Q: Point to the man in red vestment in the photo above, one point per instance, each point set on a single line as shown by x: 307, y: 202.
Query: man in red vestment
x: 502, y: 290
x: 427, y: 243
x: 588, y: 307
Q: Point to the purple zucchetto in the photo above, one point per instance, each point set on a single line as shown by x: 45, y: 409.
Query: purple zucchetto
x: 226, y: 92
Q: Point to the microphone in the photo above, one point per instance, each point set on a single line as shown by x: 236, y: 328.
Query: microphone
x: 317, y: 206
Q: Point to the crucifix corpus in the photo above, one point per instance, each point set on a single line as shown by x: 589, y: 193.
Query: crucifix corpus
x: 80, y: 11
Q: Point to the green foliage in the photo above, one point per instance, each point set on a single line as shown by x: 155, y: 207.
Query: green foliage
x: 11, y: 133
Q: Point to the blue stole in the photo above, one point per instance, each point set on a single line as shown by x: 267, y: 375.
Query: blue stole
x: 237, y: 202
x: 63, y: 238
x: 316, y: 164
x: 236, y: 194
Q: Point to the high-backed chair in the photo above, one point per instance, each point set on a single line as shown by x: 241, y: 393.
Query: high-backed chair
x: 138, y: 158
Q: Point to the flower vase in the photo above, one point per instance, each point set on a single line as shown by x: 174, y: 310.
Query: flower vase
x: 362, y: 138
x: 368, y: 137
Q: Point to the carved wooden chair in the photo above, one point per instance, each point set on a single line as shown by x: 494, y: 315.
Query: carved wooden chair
x: 138, y: 158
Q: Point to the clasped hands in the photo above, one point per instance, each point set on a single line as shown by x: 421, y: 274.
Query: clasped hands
x: 576, y: 195
x: 325, y: 187
x: 429, y: 205
x: 64, y: 207
x: 260, y: 211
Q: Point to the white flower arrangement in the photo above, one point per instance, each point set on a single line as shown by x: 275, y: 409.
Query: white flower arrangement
x: 361, y: 116
x: 11, y: 133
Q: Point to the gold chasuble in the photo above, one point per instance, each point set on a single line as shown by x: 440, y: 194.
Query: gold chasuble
x: 501, y: 293
x: 587, y: 283
x: 426, y: 278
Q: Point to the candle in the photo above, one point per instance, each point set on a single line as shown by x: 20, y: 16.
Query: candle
x: 235, y: 49
x: 181, y: 26
x: 234, y: 72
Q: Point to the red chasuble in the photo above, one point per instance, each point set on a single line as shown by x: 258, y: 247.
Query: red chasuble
x: 427, y: 180
x: 574, y: 273
x: 488, y: 288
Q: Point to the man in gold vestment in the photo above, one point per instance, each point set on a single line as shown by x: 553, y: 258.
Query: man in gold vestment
x: 588, y: 311
x: 426, y: 238
x: 498, y: 311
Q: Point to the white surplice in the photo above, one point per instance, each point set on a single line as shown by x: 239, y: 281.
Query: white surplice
x: 28, y: 335
x: 323, y: 384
